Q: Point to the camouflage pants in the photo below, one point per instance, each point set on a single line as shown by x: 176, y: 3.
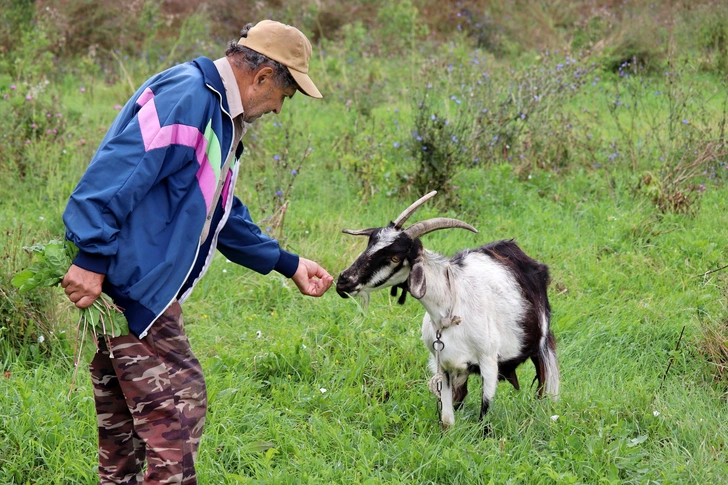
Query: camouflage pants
x: 150, y: 404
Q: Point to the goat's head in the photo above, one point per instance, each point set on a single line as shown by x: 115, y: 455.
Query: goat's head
x: 393, y: 256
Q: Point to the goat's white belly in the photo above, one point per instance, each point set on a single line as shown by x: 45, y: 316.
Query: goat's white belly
x: 459, y: 349
x: 469, y: 343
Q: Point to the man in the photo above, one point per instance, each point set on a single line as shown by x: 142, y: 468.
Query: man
x: 147, y: 216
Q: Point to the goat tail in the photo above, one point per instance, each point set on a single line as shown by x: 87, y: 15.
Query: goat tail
x: 549, y: 365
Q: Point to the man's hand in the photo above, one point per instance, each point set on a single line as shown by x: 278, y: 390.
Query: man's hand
x: 82, y: 286
x: 311, y: 279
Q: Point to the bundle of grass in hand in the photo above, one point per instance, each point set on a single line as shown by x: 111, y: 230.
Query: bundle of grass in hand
x: 50, y: 264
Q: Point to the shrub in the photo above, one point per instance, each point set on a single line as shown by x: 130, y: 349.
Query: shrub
x: 400, y: 24
x: 712, y: 35
x: 640, y: 42
x: 15, y: 17
x: 439, y: 146
x: 520, y: 116
x: 30, y: 114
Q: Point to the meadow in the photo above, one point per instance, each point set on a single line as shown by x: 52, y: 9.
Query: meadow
x: 595, y: 138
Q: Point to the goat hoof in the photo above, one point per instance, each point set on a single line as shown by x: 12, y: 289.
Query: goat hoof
x: 444, y: 426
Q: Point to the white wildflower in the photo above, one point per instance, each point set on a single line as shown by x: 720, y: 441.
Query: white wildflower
x: 323, y: 390
x: 655, y: 413
x: 554, y: 417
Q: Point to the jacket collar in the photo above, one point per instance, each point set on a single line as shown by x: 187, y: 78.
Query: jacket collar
x: 212, y: 78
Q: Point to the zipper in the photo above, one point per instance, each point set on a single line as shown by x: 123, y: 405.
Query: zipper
x: 217, y: 229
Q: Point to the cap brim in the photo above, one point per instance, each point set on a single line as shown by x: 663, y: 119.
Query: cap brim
x: 305, y: 85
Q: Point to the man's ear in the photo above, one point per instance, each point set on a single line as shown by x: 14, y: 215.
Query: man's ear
x: 263, y: 74
x: 416, y: 282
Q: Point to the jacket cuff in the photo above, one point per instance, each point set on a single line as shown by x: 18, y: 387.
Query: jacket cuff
x: 287, y: 264
x: 92, y: 262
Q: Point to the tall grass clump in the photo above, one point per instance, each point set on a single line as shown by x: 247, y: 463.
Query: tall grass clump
x: 670, y: 131
x: 713, y: 346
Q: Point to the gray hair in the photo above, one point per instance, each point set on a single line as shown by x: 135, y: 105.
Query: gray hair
x: 244, y: 58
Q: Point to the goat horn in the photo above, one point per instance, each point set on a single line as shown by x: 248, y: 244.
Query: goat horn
x: 411, y: 209
x: 419, y: 229
x: 361, y: 232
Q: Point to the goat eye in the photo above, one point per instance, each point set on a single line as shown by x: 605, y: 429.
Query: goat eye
x: 395, y: 259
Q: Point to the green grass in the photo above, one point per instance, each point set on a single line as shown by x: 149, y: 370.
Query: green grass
x: 319, y: 391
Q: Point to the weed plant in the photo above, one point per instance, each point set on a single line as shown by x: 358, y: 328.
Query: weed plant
x: 277, y: 161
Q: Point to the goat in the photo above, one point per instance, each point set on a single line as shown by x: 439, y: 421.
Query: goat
x: 487, y: 308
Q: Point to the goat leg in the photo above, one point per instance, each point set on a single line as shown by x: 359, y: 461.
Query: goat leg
x: 459, y: 391
x: 393, y: 292
x: 510, y: 376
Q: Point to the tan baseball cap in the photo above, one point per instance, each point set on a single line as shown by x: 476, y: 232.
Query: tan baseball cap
x: 284, y: 44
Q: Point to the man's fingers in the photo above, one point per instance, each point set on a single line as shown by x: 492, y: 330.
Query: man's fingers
x: 85, y: 302
x: 312, y: 279
x: 317, y: 287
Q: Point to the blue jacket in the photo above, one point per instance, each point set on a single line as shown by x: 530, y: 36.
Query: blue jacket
x: 138, y: 211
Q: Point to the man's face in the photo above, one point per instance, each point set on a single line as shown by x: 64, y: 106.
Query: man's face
x: 264, y: 96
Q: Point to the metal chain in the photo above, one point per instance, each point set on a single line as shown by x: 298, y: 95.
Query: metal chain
x: 438, y: 345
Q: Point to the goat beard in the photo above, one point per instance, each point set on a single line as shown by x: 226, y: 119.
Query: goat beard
x: 364, y: 300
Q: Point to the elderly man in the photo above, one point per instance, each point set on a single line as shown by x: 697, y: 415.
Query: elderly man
x: 147, y: 216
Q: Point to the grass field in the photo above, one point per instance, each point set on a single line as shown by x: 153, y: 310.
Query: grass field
x: 625, y: 203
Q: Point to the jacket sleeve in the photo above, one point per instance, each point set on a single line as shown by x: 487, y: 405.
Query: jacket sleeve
x: 242, y: 242
x: 134, y: 155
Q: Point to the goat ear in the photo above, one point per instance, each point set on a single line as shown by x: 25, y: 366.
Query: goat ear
x: 417, y: 283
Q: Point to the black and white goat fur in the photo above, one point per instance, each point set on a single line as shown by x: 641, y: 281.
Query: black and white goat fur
x: 490, y: 305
